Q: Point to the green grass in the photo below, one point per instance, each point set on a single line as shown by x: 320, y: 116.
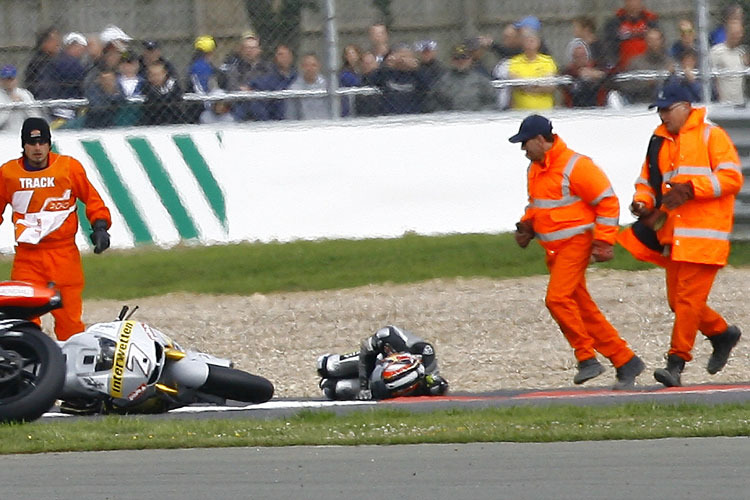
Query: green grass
x: 385, y: 426
x: 312, y: 265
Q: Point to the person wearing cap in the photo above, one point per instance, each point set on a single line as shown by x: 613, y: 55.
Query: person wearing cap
x: 573, y: 213
x: 461, y: 88
x: 43, y: 189
x: 152, y: 53
x: 531, y: 64
x: 429, y: 66
x: 63, y: 78
x: 11, y: 120
x: 690, y: 177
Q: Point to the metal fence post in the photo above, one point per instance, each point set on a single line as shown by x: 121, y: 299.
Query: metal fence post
x: 701, y: 7
x: 332, y: 59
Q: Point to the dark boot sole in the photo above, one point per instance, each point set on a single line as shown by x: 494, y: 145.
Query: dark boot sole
x: 664, y: 377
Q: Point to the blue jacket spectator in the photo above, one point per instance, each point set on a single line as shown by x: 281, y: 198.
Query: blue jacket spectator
x: 350, y: 75
x: 105, y: 100
x: 280, y: 77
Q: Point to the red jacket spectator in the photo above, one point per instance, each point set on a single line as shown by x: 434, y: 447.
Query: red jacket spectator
x: 626, y: 32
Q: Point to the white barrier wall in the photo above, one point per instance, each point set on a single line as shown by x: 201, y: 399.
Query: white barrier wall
x: 351, y: 179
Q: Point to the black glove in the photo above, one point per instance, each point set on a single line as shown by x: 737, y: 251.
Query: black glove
x: 100, y: 236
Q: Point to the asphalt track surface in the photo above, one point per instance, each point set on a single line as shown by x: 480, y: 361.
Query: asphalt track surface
x: 706, y: 468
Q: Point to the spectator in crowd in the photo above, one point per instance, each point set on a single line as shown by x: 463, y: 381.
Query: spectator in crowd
x: 587, y: 89
x: 509, y: 45
x: 232, y: 59
x: 64, y: 76
x: 279, y: 77
x: 201, y: 77
x: 128, y: 78
x: 732, y: 12
x: 477, y: 51
x: 379, y: 41
x: 350, y: 75
x: 115, y: 43
x: 131, y: 84
x: 532, y: 64
x: 308, y: 108
x: 219, y: 111
x: 163, y: 97
x: 584, y: 28
x: 151, y: 54
x: 369, y: 105
x: 12, y: 120
x: 400, y: 81
x: 687, y: 65
x: 47, y: 47
x: 247, y: 66
x: 654, y: 59
x: 429, y: 66
x: 461, y: 88
x: 730, y: 56
x: 686, y: 40
x: 626, y: 32
x: 105, y: 100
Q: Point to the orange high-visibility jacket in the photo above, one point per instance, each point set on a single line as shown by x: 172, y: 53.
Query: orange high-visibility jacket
x: 704, y: 155
x: 570, y: 195
x: 44, y: 201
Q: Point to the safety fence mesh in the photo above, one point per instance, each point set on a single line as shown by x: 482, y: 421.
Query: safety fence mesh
x: 104, y: 63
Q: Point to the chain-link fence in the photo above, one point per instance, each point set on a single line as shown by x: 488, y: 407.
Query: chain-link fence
x: 103, y: 63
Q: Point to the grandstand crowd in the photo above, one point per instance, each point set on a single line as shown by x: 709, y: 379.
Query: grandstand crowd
x: 128, y: 82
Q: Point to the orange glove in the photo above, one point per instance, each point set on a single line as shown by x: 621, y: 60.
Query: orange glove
x: 679, y: 193
x: 601, y: 251
x: 524, y: 233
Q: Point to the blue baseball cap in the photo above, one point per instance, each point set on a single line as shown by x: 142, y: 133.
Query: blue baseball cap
x: 531, y: 22
x: 532, y: 126
x: 672, y: 92
x: 8, y: 71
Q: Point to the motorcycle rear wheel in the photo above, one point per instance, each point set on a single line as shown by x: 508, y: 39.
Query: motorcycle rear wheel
x: 230, y: 383
x: 39, y: 374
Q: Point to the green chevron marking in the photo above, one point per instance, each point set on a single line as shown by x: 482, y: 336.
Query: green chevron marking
x: 164, y: 187
x: 203, y: 175
x: 117, y: 191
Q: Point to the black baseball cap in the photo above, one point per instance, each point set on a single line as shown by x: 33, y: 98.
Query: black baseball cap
x: 532, y: 126
x: 35, y: 131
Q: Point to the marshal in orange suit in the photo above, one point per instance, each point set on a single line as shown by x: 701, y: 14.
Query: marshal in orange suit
x: 573, y: 213
x: 42, y: 189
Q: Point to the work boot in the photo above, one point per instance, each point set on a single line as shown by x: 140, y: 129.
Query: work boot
x: 723, y: 344
x: 588, y: 369
x: 670, y: 376
x: 627, y: 373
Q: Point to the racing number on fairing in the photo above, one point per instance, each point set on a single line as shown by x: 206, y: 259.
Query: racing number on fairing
x: 136, y: 357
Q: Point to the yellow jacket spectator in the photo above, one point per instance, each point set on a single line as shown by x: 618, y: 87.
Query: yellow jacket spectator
x: 532, y: 64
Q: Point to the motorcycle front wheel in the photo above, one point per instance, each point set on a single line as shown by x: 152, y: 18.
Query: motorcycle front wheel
x: 230, y: 383
x: 32, y: 373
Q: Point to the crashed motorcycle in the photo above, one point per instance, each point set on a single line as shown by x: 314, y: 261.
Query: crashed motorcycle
x: 126, y: 366
x: 32, y: 368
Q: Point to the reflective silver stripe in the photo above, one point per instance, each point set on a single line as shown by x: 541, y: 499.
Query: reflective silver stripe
x: 688, y: 170
x: 606, y: 194
x: 711, y: 234
x: 641, y: 180
x: 545, y: 203
x: 564, y: 233
x: 566, y: 174
x: 608, y: 221
x: 728, y: 165
x: 707, y: 132
x: 715, y: 184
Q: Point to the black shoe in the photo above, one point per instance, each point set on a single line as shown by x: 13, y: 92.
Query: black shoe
x: 723, y: 344
x: 627, y: 373
x: 670, y: 376
x: 588, y: 369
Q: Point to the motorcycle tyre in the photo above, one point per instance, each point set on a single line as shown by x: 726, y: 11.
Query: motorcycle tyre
x: 230, y: 383
x: 30, y: 405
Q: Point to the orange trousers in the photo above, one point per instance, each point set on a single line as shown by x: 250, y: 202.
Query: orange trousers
x: 62, y: 266
x: 688, y: 287
x: 570, y: 304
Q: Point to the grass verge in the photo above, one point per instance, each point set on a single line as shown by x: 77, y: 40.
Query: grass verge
x: 385, y: 426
